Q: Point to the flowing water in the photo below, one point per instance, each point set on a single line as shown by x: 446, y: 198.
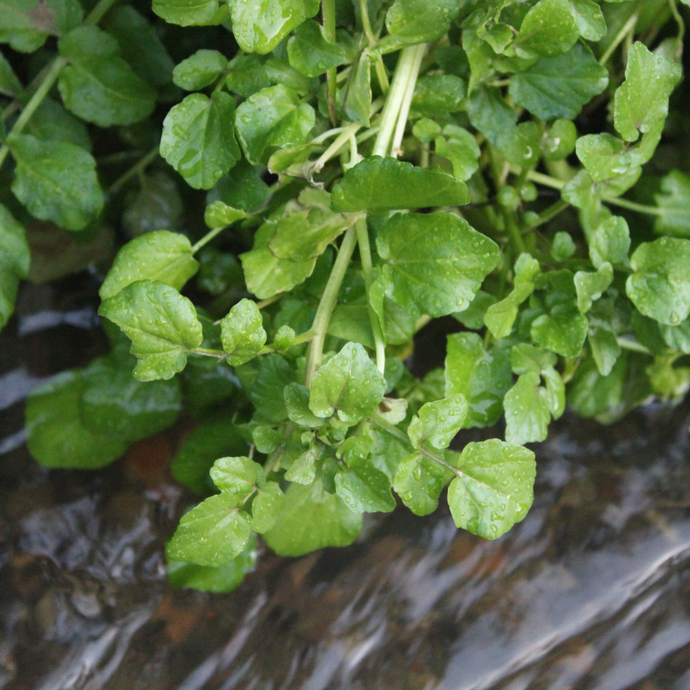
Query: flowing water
x: 590, y: 592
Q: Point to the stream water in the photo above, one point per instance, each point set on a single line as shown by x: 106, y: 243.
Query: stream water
x: 590, y: 592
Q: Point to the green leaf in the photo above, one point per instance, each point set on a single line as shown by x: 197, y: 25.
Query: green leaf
x: 98, y: 85
x: 363, y: 488
x: 307, y: 227
x: 186, y: 12
x: 310, y: 51
x: 349, y: 384
x: 157, y: 205
x: 213, y: 533
x: 237, y: 475
x: 411, y: 22
x: 52, y: 122
x: 435, y: 262
x: 200, y: 70
x: 482, y: 376
x: 559, y: 140
x: 419, y: 482
x: 266, y: 507
x: 247, y: 75
x: 438, y: 95
x: 242, y: 188
x: 383, y: 184
x: 212, y: 439
x: 260, y: 25
x: 14, y: 262
x: 549, y: 28
x: 267, y: 392
x: 527, y: 411
x: 9, y: 82
x: 499, y: 317
x: 641, y: 102
x: 461, y: 149
x: 113, y: 402
x: 312, y: 519
x: 591, y: 286
x: 218, y: 579
x: 161, y: 323
x: 438, y: 422
x: 57, y: 437
x: 297, y: 405
x: 56, y: 181
x: 660, y: 284
x: 220, y: 215
x: 562, y: 247
x: 242, y: 332
x: 162, y: 256
x: 605, y: 156
x: 560, y: 86
x: 25, y: 24
x: 141, y: 46
x: 303, y: 469
x: 273, y: 117
x: 199, y: 139
x: 359, y: 96
x: 674, y: 202
x: 495, y: 489
x: 589, y: 19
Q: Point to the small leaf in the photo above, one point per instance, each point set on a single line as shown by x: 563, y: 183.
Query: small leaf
x: 382, y: 184
x: 220, y: 215
x: 461, y: 149
x: 161, y: 323
x: 56, y: 181
x: 14, y: 262
x: 310, y: 51
x: 589, y: 19
x: 419, y: 482
x: 297, y: 404
x: 57, y: 437
x: 363, y: 488
x: 237, y: 475
x: 52, y: 122
x: 312, y: 519
x: 348, y: 383
x: 213, y: 533
x: 98, y: 85
x: 660, y: 284
x: 641, y: 102
x: 200, y: 70
x: 186, y: 12
x: 674, y: 202
x: 199, y: 139
x: 162, y: 256
x: 303, y: 469
x: 410, y: 22
x: 548, y: 28
x: 591, y: 286
x: 266, y: 507
x: 273, y: 117
x: 267, y: 392
x: 560, y: 86
x: 242, y: 332
x: 438, y: 95
x: 359, y: 96
x: 260, y: 25
x: 438, y: 422
x: 527, y: 412
x: 435, y: 262
x: 495, y: 489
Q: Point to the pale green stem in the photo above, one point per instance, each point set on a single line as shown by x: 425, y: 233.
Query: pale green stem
x: 342, y: 139
x: 328, y: 8
x: 207, y: 238
x: 98, y: 12
x: 633, y: 346
x: 679, y: 20
x: 367, y: 270
x: 366, y: 23
x: 407, y: 101
x: 394, y: 100
x: 620, y: 37
x: 545, y: 180
x: 136, y: 169
x: 327, y: 304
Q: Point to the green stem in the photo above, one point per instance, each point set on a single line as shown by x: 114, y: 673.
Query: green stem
x: 327, y: 304
x: 620, y: 36
x: 401, y: 436
x: 514, y: 231
x: 407, y: 100
x: 341, y: 140
x: 366, y: 23
x: 632, y: 206
x: 207, y: 238
x: 633, y: 346
x: 328, y: 8
x: 679, y: 20
x: 98, y: 12
x: 394, y: 100
x: 137, y: 168
x: 550, y: 213
x: 367, y: 270
x: 382, y: 76
x: 545, y: 180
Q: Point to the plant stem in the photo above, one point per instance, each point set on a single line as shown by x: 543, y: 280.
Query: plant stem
x: 98, y: 12
x: 137, y: 168
x: 632, y: 206
x: 367, y: 269
x: 366, y: 23
x: 341, y: 140
x: 407, y: 100
x: 394, y: 100
x: 207, y: 238
x: 514, y: 231
x: 327, y: 304
x: 620, y: 36
x: 550, y: 213
x: 633, y: 346
x: 545, y: 180
x: 328, y: 8
x: 679, y: 20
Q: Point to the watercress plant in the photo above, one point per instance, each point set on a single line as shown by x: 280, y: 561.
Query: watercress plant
x: 367, y: 166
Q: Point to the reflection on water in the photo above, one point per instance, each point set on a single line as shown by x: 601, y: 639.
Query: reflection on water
x: 590, y: 592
